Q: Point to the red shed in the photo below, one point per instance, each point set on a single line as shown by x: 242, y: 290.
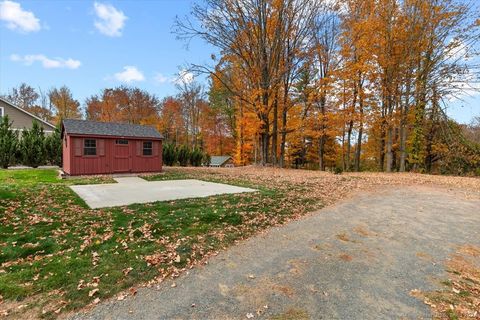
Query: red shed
x: 91, y: 147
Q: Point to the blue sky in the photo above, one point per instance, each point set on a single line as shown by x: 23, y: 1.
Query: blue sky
x: 90, y: 45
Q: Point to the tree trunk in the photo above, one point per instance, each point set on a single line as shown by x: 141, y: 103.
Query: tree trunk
x: 431, y: 134
x: 284, y: 138
x: 358, y: 150
x: 389, y: 148
x: 321, y: 144
x: 275, y: 131
x: 343, y: 147
x: 349, y: 143
x: 264, y: 129
x: 403, y: 129
x: 321, y: 151
x: 403, y: 142
x: 264, y: 141
x: 381, y: 158
x: 350, y: 126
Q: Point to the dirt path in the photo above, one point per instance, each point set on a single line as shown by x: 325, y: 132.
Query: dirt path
x: 358, y: 259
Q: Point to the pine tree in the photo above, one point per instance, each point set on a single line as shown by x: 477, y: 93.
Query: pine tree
x: 33, y: 146
x: 8, y: 142
x: 170, y: 155
x: 183, y: 155
x: 53, y: 147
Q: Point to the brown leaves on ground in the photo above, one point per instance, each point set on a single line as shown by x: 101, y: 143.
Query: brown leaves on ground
x: 461, y: 297
x: 93, y: 235
x: 329, y: 188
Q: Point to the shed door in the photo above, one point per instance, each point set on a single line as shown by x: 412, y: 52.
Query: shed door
x: 122, y: 158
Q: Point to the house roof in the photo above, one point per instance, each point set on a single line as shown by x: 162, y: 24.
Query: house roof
x: 28, y: 113
x: 87, y: 127
x: 219, y: 160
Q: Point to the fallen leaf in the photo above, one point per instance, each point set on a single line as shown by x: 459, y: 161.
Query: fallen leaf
x: 92, y: 292
x: 126, y: 271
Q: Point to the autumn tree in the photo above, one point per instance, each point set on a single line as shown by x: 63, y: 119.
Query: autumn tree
x: 325, y: 55
x: 472, y: 130
x: 24, y: 96
x: 123, y: 104
x: 222, y: 121
x: 171, y: 123
x: 191, y: 96
x: 27, y: 98
x: 65, y: 105
x: 253, y: 34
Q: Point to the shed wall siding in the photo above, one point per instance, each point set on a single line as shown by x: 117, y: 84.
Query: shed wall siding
x: 67, y: 154
x: 103, y: 162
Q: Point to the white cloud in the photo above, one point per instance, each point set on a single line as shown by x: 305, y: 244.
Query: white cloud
x: 129, y: 74
x: 160, y: 78
x: 47, y: 63
x: 184, y: 77
x: 110, y: 20
x: 18, y: 19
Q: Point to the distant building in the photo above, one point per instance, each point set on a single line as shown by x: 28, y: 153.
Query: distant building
x: 221, y: 161
x: 91, y: 147
x: 22, y: 119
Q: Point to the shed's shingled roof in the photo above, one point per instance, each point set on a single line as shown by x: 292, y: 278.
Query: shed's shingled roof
x: 87, y: 127
x: 218, y: 160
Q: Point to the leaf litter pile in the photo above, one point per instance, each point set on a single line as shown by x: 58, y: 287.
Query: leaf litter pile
x: 57, y: 255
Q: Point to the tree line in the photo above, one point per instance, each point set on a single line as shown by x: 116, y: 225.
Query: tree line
x: 353, y: 85
x: 186, y: 118
x: 357, y: 84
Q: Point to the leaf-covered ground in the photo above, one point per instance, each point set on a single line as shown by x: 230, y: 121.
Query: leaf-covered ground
x: 460, y: 295
x: 58, y: 255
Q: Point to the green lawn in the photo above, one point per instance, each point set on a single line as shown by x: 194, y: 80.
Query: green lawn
x: 30, y: 176
x: 56, y: 252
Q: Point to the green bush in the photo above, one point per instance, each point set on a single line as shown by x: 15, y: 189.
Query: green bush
x: 206, y: 159
x: 196, y: 157
x: 32, y: 146
x: 53, y: 147
x: 8, y: 142
x: 183, y: 155
x: 170, y: 155
x: 338, y: 170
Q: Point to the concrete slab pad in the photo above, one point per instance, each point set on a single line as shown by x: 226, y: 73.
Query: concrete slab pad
x: 131, y: 190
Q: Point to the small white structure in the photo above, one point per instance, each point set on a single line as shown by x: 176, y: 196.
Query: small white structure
x: 221, y: 161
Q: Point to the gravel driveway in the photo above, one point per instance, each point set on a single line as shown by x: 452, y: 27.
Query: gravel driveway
x: 358, y: 259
